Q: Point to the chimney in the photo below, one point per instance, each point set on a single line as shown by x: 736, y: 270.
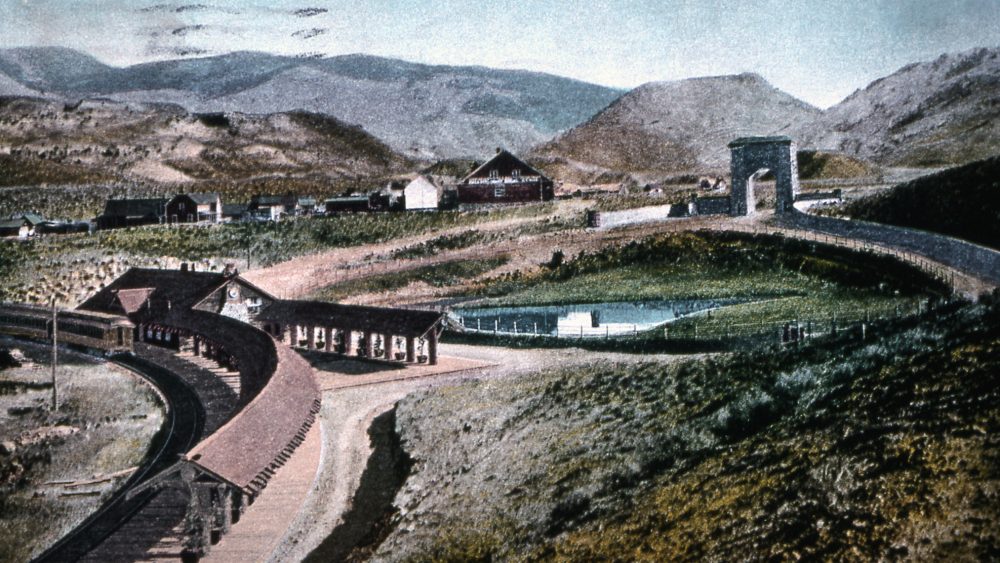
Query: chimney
x: 184, y: 266
x: 498, y: 150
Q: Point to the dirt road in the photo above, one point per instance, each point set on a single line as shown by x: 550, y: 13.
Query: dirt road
x: 348, y: 412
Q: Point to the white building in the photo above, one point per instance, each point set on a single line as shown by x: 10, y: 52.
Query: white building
x: 421, y: 193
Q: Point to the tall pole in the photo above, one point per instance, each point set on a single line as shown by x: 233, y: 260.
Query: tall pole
x: 55, y: 355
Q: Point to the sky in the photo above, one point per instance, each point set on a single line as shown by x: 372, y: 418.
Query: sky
x: 817, y: 50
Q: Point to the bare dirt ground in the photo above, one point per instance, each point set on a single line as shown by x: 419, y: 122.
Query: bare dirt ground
x: 301, y: 276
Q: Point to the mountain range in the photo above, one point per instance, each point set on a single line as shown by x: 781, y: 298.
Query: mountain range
x: 932, y: 113
x: 422, y: 111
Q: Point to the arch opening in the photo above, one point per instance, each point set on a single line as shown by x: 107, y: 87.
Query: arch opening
x: 752, y: 157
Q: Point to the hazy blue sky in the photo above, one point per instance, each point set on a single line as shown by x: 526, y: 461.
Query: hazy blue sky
x: 818, y: 50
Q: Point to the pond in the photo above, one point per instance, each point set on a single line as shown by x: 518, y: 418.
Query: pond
x: 586, y: 319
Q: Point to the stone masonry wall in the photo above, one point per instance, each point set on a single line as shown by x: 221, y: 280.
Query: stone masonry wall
x: 748, y: 159
x: 611, y: 219
x: 965, y: 256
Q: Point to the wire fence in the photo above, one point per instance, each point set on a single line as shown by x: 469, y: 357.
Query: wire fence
x: 703, y: 327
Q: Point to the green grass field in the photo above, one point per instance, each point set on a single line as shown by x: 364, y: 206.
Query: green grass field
x: 782, y: 280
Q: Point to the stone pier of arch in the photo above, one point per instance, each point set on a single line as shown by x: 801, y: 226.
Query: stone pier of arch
x: 404, y: 336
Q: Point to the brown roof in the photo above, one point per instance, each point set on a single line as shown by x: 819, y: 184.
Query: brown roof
x: 131, y: 300
x: 282, y: 398
x: 162, y: 287
x: 400, y: 322
x: 243, y: 450
x: 504, y: 163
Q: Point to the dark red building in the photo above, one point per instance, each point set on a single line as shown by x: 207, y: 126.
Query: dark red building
x: 504, y: 179
x: 195, y: 208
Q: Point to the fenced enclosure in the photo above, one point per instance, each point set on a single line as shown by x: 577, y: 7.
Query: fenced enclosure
x: 703, y: 327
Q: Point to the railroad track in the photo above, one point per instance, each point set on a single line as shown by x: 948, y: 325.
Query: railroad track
x: 183, y: 429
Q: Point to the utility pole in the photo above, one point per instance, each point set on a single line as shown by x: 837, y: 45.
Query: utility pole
x: 55, y: 355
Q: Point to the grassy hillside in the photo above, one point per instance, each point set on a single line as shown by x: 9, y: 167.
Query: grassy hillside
x: 819, y: 165
x: 72, y: 267
x: 56, y: 468
x: 843, y: 450
x: 962, y: 202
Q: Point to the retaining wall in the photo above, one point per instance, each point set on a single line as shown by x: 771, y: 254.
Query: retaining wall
x: 612, y: 219
x: 973, y: 259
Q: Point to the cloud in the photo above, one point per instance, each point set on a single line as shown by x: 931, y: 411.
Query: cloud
x: 309, y: 12
x: 191, y: 8
x: 175, y: 51
x: 182, y: 8
x: 182, y: 31
x: 309, y: 33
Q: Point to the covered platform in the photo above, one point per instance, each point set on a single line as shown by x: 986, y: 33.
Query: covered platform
x: 397, y: 335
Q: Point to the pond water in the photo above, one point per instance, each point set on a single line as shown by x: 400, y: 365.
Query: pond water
x: 583, y: 320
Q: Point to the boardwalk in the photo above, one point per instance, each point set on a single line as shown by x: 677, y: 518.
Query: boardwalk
x: 262, y: 527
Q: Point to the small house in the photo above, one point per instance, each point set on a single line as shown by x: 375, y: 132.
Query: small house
x: 422, y: 193
x: 504, y: 179
x: 195, y: 208
x: 22, y: 225
x: 274, y: 207
x: 19, y: 227
x: 305, y: 205
x: 120, y: 213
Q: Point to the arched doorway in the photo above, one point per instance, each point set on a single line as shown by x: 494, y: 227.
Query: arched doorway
x: 752, y: 157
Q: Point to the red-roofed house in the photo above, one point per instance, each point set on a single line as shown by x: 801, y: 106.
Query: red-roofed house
x: 504, y: 179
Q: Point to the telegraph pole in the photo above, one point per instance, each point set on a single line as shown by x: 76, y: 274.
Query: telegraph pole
x: 55, y: 355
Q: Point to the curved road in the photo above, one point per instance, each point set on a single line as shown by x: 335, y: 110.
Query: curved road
x: 182, y: 430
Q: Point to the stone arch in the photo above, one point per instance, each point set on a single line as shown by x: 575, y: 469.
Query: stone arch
x: 751, y: 158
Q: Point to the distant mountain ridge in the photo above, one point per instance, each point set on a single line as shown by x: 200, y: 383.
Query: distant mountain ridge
x: 677, y: 127
x: 934, y: 113
x: 940, y: 112
x: 420, y: 110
